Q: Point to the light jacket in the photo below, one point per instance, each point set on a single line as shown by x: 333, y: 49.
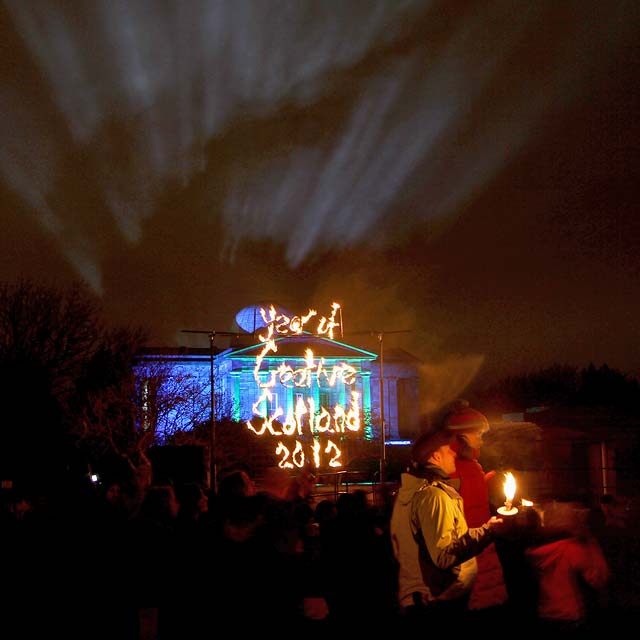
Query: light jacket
x: 432, y: 543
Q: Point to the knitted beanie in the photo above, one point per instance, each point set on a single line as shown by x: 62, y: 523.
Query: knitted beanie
x: 463, y: 419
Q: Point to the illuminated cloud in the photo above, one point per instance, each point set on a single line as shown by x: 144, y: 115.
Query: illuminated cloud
x: 430, y: 107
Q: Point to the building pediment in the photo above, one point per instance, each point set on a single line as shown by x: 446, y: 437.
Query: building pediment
x: 296, y: 346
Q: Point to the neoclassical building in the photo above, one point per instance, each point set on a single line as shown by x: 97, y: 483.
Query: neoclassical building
x: 306, y: 391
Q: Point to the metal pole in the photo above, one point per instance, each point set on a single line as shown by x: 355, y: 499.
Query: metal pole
x: 383, y: 427
x: 213, y: 475
x: 212, y: 471
x: 383, y: 453
x: 603, y: 467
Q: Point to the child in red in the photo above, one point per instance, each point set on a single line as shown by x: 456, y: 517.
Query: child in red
x: 564, y: 568
x: 470, y: 480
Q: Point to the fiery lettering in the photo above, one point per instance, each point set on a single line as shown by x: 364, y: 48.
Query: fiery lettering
x: 290, y: 460
x: 303, y: 377
x: 338, y: 454
x: 326, y: 326
x: 305, y: 416
x: 283, y: 325
x: 282, y: 449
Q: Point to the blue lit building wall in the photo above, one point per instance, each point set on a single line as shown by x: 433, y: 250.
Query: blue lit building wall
x: 237, y: 391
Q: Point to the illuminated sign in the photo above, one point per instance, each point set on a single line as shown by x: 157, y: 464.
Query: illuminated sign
x: 322, y: 424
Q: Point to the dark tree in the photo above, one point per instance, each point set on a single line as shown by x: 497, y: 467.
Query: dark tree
x: 54, y: 353
x: 564, y: 386
x: 45, y: 338
x: 107, y: 421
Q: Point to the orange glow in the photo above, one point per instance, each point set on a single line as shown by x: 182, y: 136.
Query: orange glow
x: 327, y: 326
x: 303, y: 377
x: 526, y: 503
x: 306, y: 416
x: 509, y: 488
x: 289, y: 459
x: 284, y: 325
x: 321, y: 421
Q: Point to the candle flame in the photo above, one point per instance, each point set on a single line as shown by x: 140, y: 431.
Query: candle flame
x: 509, y: 486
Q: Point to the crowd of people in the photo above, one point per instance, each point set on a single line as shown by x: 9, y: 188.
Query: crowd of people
x: 159, y: 561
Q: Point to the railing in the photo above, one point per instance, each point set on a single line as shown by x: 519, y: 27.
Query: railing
x: 334, y: 483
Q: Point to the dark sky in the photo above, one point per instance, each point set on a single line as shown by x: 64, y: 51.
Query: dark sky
x: 465, y: 170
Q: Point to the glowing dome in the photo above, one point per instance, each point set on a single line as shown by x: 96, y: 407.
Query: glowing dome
x: 250, y: 320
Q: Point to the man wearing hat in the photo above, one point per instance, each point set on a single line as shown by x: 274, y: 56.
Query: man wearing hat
x: 432, y: 542
x: 468, y: 426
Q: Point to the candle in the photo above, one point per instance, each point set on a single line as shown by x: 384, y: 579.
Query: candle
x: 509, y: 489
x: 509, y: 492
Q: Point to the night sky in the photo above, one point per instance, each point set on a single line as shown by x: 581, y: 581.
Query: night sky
x: 467, y: 171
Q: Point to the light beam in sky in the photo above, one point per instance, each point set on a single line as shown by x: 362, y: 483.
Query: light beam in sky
x: 431, y: 107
